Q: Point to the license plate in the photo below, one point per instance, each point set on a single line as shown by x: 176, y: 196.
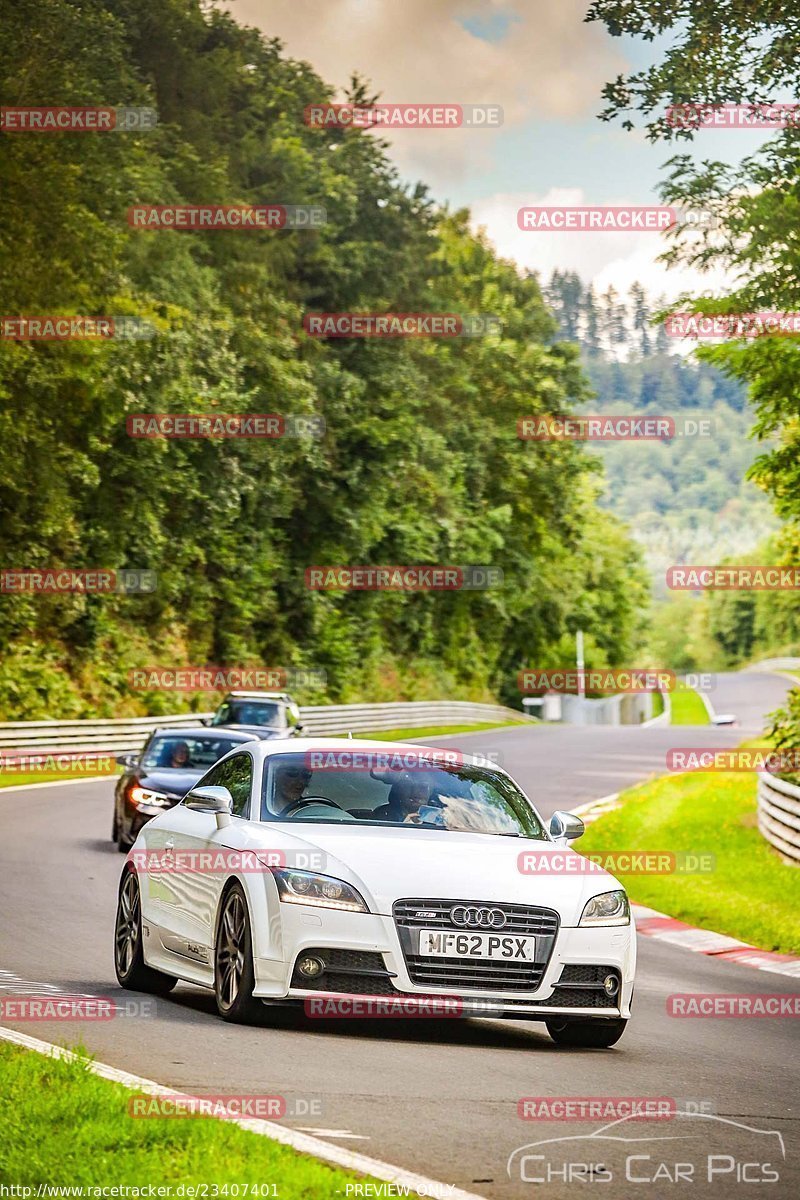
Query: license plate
x: 507, y: 947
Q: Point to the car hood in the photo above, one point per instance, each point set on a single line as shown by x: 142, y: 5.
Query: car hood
x: 171, y: 781
x: 389, y: 864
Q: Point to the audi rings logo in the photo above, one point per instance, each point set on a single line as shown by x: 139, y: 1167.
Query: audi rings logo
x: 473, y: 917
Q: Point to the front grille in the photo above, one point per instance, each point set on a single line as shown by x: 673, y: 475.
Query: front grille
x: 474, y: 973
x: 458, y: 974
x: 520, y: 918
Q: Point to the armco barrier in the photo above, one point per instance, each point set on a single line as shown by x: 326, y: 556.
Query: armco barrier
x: 779, y: 814
x: 129, y: 733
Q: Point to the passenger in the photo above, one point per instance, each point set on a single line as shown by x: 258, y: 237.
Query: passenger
x: 406, y: 797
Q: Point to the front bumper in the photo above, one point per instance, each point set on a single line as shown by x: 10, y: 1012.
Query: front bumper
x: 305, y: 928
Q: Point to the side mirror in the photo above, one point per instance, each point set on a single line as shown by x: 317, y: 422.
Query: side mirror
x: 212, y: 799
x: 205, y: 720
x: 298, y: 729
x: 127, y: 760
x: 566, y: 826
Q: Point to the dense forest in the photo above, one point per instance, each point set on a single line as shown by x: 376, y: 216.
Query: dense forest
x: 420, y: 462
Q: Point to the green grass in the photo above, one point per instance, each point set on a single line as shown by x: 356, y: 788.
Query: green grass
x: 63, y: 1125
x: 752, y: 894
x: 18, y: 778
x: 687, y: 707
x: 404, y: 735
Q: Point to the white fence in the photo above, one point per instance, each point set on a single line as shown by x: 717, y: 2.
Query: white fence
x: 779, y: 814
x: 129, y: 733
x: 622, y: 709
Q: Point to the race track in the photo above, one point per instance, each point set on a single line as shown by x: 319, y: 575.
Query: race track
x: 437, y: 1097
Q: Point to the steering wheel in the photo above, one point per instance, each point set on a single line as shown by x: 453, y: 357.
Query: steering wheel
x: 304, y: 800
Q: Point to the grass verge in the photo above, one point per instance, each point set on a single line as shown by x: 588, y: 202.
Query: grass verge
x: 63, y: 1125
x: 19, y: 778
x: 751, y: 894
x: 687, y: 708
x: 404, y: 735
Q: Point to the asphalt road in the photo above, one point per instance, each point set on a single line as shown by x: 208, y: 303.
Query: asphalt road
x: 438, y: 1097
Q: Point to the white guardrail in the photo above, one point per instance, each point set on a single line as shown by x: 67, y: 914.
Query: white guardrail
x: 779, y: 814
x: 129, y: 733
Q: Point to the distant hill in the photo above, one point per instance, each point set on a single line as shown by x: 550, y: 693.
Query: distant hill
x: 688, y: 499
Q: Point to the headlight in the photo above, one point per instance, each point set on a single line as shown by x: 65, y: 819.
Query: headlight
x: 609, y: 908
x: 323, y: 891
x: 140, y: 795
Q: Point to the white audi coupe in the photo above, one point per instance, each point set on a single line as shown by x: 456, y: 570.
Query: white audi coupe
x: 364, y: 878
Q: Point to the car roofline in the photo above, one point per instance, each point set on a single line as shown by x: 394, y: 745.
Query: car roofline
x: 197, y: 730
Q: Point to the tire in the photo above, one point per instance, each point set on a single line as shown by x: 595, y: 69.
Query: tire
x: 132, y: 971
x: 234, y: 976
x: 115, y: 825
x: 596, y: 1035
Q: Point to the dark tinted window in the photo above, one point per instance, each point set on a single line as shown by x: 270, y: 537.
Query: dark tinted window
x: 236, y: 774
x: 185, y: 752
x: 359, y: 787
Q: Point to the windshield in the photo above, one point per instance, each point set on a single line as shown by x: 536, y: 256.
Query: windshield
x: 450, y: 797
x: 252, y: 712
x: 189, y: 753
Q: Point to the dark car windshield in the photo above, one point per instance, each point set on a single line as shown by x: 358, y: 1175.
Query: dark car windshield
x: 459, y: 797
x: 271, y: 715
x: 184, y: 753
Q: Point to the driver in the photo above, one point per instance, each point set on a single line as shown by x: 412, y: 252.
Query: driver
x: 290, y: 783
x: 179, y: 755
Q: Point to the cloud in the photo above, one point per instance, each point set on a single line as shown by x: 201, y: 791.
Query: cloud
x: 617, y: 259
x: 539, y: 61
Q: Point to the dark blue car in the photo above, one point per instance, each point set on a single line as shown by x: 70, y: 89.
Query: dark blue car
x: 171, y: 762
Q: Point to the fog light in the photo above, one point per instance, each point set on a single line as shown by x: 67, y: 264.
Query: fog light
x: 611, y: 985
x: 310, y: 966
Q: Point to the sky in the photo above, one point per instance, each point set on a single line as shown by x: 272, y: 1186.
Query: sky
x: 546, y: 67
